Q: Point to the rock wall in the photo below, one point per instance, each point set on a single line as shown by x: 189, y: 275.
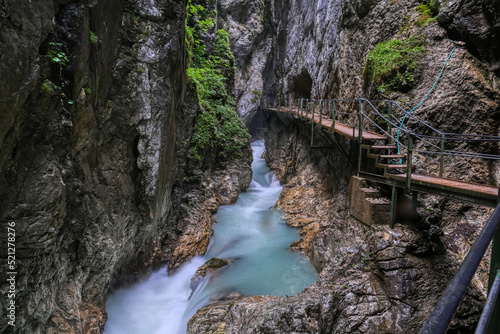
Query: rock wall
x: 251, y: 45
x: 93, y: 141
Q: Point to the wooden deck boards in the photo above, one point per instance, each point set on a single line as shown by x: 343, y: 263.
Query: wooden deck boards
x: 457, y: 184
x: 340, y: 128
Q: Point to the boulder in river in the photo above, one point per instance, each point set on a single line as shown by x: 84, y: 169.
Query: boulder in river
x: 209, y: 266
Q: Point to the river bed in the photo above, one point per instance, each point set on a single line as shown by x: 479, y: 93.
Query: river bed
x: 250, y: 234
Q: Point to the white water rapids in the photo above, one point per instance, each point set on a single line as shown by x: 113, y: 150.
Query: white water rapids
x: 248, y: 232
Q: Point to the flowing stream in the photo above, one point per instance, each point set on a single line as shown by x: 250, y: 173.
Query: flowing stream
x: 247, y: 232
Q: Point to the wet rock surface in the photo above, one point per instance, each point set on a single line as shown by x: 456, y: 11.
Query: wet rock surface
x: 205, y: 270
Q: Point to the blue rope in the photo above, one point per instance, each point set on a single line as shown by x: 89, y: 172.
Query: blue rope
x: 425, y: 97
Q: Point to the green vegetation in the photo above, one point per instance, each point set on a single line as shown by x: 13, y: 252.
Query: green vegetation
x: 428, y: 13
x: 93, y: 38
x: 47, y: 87
x: 87, y: 90
x: 57, y: 55
x: 391, y: 64
x: 218, y: 128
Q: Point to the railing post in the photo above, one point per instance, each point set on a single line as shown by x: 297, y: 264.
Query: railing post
x: 334, y: 110
x: 307, y: 108
x: 389, y: 112
x: 441, y: 157
x: 312, y: 123
x: 279, y: 105
x: 320, y: 112
x: 360, y: 133
x: 409, y: 161
x: 394, y: 199
x: 291, y: 105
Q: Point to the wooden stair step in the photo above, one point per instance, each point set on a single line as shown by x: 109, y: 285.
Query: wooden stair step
x: 392, y: 156
x: 392, y: 166
x: 383, y: 147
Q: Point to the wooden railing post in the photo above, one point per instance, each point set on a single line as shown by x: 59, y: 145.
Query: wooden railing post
x: 279, y: 105
x: 409, y: 161
x: 441, y: 157
x: 360, y: 133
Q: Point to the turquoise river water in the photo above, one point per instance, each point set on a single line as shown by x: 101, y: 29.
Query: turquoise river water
x: 249, y: 233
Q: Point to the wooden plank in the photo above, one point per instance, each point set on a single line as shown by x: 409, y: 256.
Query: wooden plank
x: 387, y: 156
x: 449, y: 183
x: 383, y: 147
x: 392, y: 166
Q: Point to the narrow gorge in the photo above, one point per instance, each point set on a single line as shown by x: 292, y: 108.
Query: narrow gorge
x: 125, y: 125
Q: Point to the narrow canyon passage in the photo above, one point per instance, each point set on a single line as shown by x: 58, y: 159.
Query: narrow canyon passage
x: 250, y: 235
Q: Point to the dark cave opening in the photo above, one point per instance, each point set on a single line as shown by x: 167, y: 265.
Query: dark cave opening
x: 301, y: 85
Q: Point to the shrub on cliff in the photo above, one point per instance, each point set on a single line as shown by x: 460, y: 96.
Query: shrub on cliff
x: 390, y: 65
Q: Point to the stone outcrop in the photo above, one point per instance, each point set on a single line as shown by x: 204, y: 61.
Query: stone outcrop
x: 251, y: 45
x: 93, y: 141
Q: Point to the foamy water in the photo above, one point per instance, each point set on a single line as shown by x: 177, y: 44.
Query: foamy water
x: 247, y: 232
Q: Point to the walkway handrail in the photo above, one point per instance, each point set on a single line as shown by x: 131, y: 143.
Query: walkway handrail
x: 444, y: 310
x: 440, y: 136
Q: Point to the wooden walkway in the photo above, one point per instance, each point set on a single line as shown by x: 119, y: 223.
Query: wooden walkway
x: 383, y: 159
x: 340, y: 128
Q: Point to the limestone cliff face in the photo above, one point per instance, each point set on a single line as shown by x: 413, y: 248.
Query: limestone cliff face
x: 251, y: 44
x: 93, y: 141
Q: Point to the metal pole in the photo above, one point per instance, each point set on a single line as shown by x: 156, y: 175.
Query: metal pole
x: 494, y: 324
x: 441, y: 157
x: 389, y: 112
x: 409, y: 161
x: 334, y: 111
x: 307, y: 108
x: 486, y: 316
x: 320, y: 112
x: 291, y: 104
x: 394, y: 200
x: 360, y: 133
x: 312, y: 123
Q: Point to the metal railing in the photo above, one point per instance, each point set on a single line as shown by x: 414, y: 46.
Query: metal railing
x: 432, y: 142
